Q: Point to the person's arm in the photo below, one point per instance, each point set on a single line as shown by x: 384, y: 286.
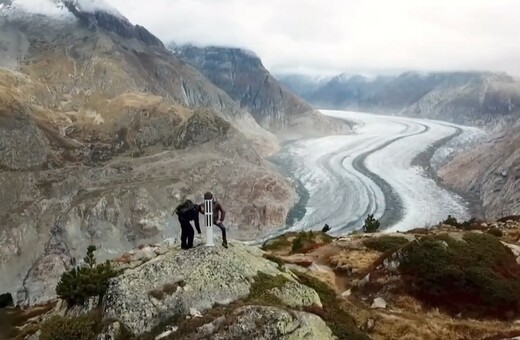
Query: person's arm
x: 222, y: 213
x: 201, y: 208
x: 197, y: 225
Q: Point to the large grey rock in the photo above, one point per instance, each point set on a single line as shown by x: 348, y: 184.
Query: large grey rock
x: 276, y: 323
x: 209, y: 276
x: 295, y: 295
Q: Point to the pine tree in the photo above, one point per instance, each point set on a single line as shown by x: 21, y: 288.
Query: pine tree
x: 371, y: 224
x: 81, y: 283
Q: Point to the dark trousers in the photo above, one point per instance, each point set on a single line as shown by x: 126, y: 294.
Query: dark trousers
x: 223, y: 229
x: 187, y: 234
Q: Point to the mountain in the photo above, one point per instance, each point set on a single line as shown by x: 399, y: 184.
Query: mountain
x: 491, y: 172
x: 471, y: 98
x: 241, y: 74
x: 303, y: 85
x: 103, y: 132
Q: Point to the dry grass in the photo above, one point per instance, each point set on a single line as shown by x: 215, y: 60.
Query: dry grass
x: 435, y: 325
x: 355, y: 260
x: 126, y: 258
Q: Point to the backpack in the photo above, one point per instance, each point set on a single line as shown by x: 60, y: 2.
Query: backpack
x: 186, y: 209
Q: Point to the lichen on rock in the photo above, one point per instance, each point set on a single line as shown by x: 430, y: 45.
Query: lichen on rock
x: 210, y: 275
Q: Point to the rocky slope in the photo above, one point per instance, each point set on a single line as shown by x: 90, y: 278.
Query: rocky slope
x: 470, y: 98
x: 102, y: 134
x: 164, y: 292
x: 303, y: 286
x: 490, y: 171
x: 380, y: 279
x: 241, y: 74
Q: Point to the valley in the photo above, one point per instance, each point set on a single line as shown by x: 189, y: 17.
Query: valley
x: 374, y: 170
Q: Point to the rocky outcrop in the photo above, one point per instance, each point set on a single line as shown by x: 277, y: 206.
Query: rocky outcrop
x: 276, y: 323
x: 190, y: 283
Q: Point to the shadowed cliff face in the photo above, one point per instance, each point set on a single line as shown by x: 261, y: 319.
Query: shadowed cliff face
x: 242, y: 76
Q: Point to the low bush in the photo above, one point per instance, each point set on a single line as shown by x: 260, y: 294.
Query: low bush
x: 385, y: 243
x: 76, y: 328
x: 371, y: 224
x: 466, y: 225
x: 451, y: 221
x: 279, y: 243
x: 478, y: 276
x: 307, y: 241
x: 495, y: 232
x: 81, y: 283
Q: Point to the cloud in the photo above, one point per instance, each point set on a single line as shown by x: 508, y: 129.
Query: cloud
x: 327, y: 37
x: 55, y: 8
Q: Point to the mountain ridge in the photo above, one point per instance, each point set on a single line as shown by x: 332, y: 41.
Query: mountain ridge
x: 242, y: 75
x: 483, y: 99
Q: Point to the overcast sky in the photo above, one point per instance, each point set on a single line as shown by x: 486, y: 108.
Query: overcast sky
x: 330, y: 36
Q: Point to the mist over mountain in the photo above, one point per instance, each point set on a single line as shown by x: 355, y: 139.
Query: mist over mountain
x: 474, y: 98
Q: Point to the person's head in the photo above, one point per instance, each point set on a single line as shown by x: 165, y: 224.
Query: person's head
x: 208, y: 196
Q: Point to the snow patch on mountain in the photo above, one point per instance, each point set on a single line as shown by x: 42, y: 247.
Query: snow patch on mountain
x: 56, y: 8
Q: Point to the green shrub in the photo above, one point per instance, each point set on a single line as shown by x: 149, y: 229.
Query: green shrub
x: 495, y: 232
x: 386, y: 243
x: 478, y: 276
x: 307, y: 241
x: 81, y: 283
x: 371, y: 224
x: 466, y: 225
x: 61, y: 328
x: 451, y: 221
x: 279, y: 243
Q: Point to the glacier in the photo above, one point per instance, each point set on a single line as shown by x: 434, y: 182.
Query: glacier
x: 372, y: 171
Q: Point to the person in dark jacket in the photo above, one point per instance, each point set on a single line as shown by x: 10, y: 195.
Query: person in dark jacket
x: 219, y: 214
x: 187, y: 212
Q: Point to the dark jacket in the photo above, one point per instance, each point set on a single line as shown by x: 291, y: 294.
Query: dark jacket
x: 218, y: 212
x: 191, y: 215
